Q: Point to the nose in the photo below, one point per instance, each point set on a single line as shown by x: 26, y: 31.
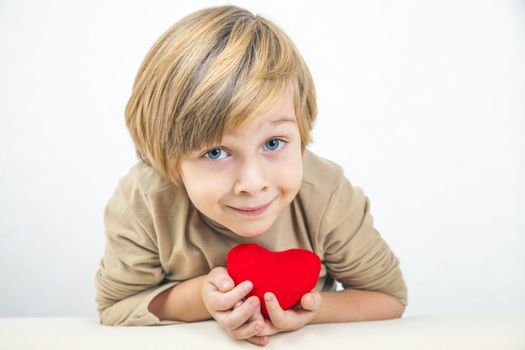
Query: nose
x: 250, y: 177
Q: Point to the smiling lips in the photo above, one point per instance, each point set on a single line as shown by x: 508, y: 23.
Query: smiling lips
x: 252, y: 211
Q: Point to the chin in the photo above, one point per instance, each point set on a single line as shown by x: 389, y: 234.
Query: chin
x: 251, y: 232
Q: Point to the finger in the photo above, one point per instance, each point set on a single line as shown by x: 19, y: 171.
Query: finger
x: 311, y: 301
x: 219, y: 279
x: 276, y: 313
x: 235, y: 319
x: 262, y: 341
x: 225, y: 301
x: 268, y: 329
x: 255, y: 316
x: 247, y: 330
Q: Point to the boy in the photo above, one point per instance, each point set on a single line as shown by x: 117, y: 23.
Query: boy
x: 220, y: 115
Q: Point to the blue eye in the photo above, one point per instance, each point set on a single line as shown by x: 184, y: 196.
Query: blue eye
x: 274, y: 144
x: 215, y: 154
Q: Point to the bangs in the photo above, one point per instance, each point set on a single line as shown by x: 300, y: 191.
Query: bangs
x: 246, y: 78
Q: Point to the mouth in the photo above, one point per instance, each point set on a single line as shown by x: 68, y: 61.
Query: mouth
x: 252, y: 211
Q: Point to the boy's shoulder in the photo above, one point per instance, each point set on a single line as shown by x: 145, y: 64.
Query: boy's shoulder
x: 321, y: 173
x: 144, y: 179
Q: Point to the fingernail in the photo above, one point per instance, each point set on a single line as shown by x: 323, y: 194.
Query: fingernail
x: 226, y: 284
x: 309, y: 301
x: 248, y: 285
x: 268, y: 297
x: 254, y: 302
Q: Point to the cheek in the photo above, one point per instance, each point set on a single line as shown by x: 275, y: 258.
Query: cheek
x: 291, y: 174
x: 293, y: 181
x: 203, y: 190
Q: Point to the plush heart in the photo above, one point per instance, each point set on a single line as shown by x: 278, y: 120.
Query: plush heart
x: 288, y: 274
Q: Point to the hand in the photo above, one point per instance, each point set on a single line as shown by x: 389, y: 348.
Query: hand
x: 257, y: 340
x: 292, y: 319
x: 224, y: 301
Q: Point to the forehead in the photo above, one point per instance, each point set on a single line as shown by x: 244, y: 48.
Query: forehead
x: 280, y: 112
x: 273, y: 112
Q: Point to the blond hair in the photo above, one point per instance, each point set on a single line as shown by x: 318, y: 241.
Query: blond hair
x: 209, y: 72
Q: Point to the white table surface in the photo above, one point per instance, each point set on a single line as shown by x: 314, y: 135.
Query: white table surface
x: 495, y: 331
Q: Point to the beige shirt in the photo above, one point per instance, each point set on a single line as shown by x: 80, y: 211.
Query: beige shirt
x: 157, y: 238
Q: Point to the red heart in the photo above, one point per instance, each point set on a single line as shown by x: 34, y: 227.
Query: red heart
x: 288, y: 274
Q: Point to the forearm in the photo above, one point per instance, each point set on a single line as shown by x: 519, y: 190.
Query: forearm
x: 352, y: 305
x: 182, y: 302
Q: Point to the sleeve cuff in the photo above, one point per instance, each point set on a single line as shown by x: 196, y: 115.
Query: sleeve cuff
x: 142, y: 317
x: 119, y: 313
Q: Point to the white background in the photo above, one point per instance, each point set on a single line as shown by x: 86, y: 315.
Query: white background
x: 422, y: 103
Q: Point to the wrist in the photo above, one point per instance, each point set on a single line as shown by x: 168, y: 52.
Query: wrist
x: 352, y: 305
x: 182, y: 302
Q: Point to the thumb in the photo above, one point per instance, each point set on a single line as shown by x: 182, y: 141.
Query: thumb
x: 311, y: 301
x: 220, y: 279
x: 226, y: 285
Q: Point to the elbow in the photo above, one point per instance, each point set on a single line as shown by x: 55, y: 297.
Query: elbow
x: 398, y: 309
x: 398, y: 302
x: 104, y: 322
x: 399, y: 313
x: 107, y: 318
x: 103, y: 319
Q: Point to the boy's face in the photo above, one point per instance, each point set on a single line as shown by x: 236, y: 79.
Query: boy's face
x: 245, y: 182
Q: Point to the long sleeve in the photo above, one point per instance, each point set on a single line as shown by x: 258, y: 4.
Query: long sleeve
x: 130, y: 273
x: 354, y: 252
